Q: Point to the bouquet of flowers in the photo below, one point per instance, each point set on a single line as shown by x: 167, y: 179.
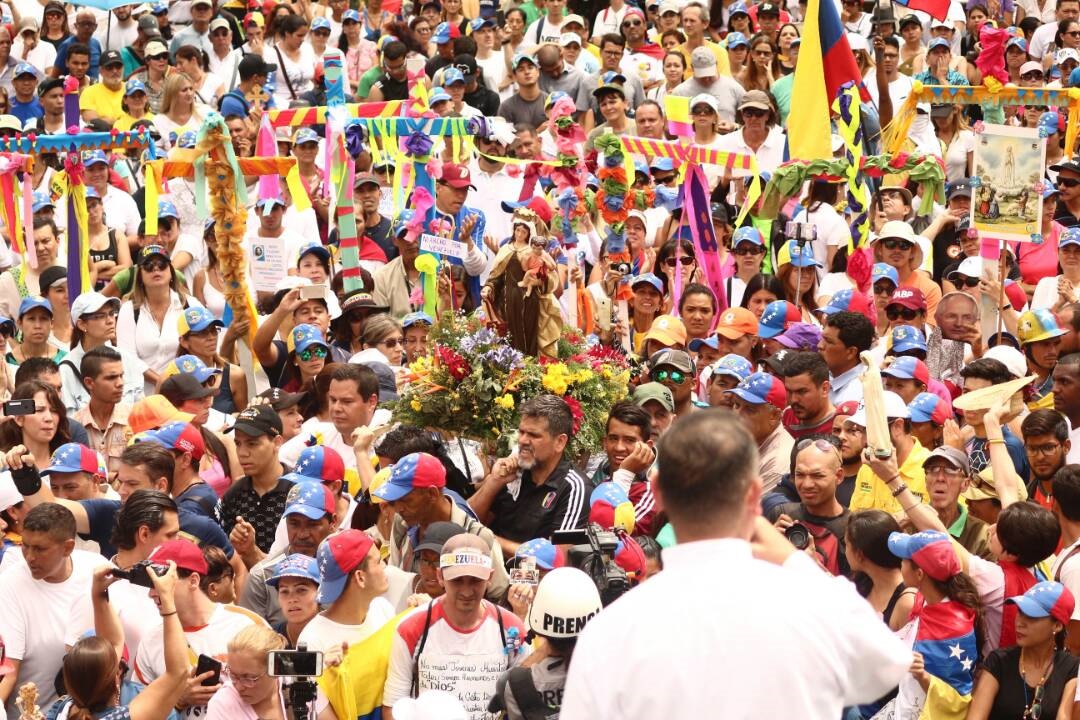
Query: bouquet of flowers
x: 473, y: 382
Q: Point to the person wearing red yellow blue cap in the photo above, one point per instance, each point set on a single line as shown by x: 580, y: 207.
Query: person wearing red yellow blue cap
x: 1040, y: 340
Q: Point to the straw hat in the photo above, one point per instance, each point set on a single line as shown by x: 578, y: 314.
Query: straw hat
x: 988, y: 397
x: 983, y: 488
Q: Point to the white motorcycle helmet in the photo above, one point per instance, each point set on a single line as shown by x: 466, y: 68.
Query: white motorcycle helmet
x: 565, y: 600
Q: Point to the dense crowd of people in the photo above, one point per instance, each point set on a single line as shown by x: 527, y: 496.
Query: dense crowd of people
x: 194, y: 499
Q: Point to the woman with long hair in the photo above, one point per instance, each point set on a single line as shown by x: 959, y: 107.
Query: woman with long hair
x: 347, y: 329
x: 54, y: 24
x: 416, y: 56
x: 149, y: 317
x: 294, y: 58
x: 668, y: 262
x: 738, y: 50
x: 423, y: 31
x: 307, y: 353
x: 41, y: 432
x: 178, y: 108
x: 93, y: 671
x: 136, y: 105
x: 764, y: 66
x: 739, y: 19
x: 1037, y: 672
x: 296, y: 580
x: 1058, y: 291
x: 108, y: 250
x: 959, y: 142
x: 748, y: 250
x: 674, y: 70
x: 797, y: 272
x: 374, y: 18
x: 454, y: 16
x: 195, y: 63
x: 208, y: 286
x: 786, y: 37
x: 760, y: 291
x: 154, y: 74
x: 877, y: 571
x: 250, y: 692
x: 198, y: 330
x: 360, y: 53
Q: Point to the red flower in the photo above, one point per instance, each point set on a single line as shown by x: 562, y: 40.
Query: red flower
x: 455, y: 364
x: 575, y: 412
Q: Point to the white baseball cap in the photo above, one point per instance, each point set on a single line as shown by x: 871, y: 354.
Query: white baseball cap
x: 895, y: 407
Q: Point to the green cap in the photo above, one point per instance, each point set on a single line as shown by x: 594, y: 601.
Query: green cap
x: 653, y: 391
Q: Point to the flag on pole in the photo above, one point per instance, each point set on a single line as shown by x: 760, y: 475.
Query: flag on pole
x: 937, y: 9
x: 825, y: 64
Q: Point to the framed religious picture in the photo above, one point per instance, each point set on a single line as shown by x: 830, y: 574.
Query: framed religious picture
x: 1008, y: 176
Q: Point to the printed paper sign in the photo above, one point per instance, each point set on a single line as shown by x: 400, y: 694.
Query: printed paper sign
x: 442, y: 246
x: 267, y: 263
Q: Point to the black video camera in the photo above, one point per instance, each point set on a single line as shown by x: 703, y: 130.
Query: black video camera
x: 798, y: 535
x: 138, y: 574
x: 593, y: 552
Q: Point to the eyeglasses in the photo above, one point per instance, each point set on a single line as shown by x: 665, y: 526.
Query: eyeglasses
x: 246, y: 680
x: 943, y: 470
x: 631, y: 23
x: 754, y: 112
x: 685, y: 261
x: 1067, y: 182
x: 1034, y: 74
x: 966, y: 281
x: 429, y: 562
x: 820, y: 444
x: 1045, y: 450
x: 390, y: 342
x: 763, y: 53
x: 702, y: 110
x: 749, y: 249
x: 1035, y: 711
x: 211, y: 331
x: 896, y: 244
x: 676, y: 377
x: 884, y: 288
x: 318, y: 352
x: 895, y: 313
x: 155, y: 265
x: 222, y: 32
x: 103, y: 315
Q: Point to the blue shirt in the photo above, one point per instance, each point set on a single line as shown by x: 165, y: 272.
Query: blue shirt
x: 951, y: 78
x: 26, y: 111
x: 95, y: 57
x: 979, y: 453
x: 101, y: 516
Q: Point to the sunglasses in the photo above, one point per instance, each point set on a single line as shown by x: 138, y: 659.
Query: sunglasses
x: 631, y: 23
x: 663, y: 179
x: 966, y: 281
x: 163, y: 56
x: 685, y: 261
x: 676, y: 377
x: 1033, y: 75
x: 390, y: 343
x: 895, y: 313
x: 896, y: 244
x: 318, y: 352
x: 749, y: 249
x: 1072, y: 33
x: 1068, y: 182
x: 222, y: 32
x: 755, y: 112
x: 885, y: 288
x: 155, y: 265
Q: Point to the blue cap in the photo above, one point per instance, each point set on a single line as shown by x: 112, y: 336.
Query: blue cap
x: 662, y: 164
x: 737, y: 7
x: 43, y: 200
x: 1049, y: 121
x: 1049, y: 189
x: 938, y: 42
x: 196, y: 319
x: 34, y: 301
x: 800, y: 256
x: 747, y: 234
x: 269, y: 203
x: 438, y: 95
x: 931, y: 550
x: 133, y: 86
x: 928, y: 407
x: 546, y: 554
x: 762, y: 388
x: 309, y: 498
x: 452, y: 75
x: 295, y: 566
x: 592, y: 181
x: 480, y: 23
x: 304, y: 336
x: 314, y: 248
x: 92, y: 193
x: 24, y: 68
x: 905, y: 338
x: 318, y: 463
x: 339, y: 556
x: 641, y: 167
x: 649, y: 279
x: 305, y: 135
x: 93, y: 157
x: 775, y: 318
x: 1069, y: 236
x: 191, y: 365
x: 187, y: 139
x: 441, y: 34
x: 696, y: 344
x: 736, y: 39
x: 74, y: 457
x: 1016, y: 42
x: 906, y: 368
x: 733, y: 365
x: 350, y: 14
x: 523, y: 57
x: 884, y: 271
x: 320, y: 23
x: 1046, y: 599
x: 416, y: 470
x: 159, y: 8
x: 554, y: 97
x: 166, y: 209
x: 415, y: 318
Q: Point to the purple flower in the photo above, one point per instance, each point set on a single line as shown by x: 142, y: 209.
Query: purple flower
x: 418, y: 144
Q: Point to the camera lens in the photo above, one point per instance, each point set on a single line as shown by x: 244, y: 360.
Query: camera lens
x: 798, y: 535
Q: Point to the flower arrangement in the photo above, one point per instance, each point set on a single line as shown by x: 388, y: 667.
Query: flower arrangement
x: 473, y: 382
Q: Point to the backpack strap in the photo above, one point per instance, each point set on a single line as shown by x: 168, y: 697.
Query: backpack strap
x: 529, y: 701
x: 419, y: 649
x: 1061, y: 565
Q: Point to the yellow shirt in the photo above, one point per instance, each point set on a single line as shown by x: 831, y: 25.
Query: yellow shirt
x: 105, y: 102
x: 723, y: 67
x: 125, y: 121
x: 871, y: 492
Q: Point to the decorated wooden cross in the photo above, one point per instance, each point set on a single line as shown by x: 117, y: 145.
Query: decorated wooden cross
x: 70, y: 146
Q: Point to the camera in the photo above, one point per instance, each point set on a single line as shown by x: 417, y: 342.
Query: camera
x: 302, y: 665
x: 595, y: 557
x: 798, y: 535
x: 623, y: 268
x: 137, y: 574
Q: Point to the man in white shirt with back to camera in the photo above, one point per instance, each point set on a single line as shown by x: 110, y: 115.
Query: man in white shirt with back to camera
x: 736, y: 615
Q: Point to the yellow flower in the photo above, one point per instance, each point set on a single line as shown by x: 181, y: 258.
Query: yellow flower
x: 556, y: 378
x: 415, y: 405
x: 505, y: 401
x: 421, y: 365
x: 583, y: 376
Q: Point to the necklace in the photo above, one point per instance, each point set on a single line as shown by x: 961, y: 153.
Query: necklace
x: 1033, y: 710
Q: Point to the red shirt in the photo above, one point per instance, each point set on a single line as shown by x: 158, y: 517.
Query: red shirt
x: 791, y: 424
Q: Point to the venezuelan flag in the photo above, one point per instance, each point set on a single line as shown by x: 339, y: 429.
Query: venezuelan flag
x: 946, y: 639
x: 937, y: 9
x: 825, y: 64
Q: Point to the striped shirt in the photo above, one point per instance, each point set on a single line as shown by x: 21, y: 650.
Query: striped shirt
x: 524, y: 510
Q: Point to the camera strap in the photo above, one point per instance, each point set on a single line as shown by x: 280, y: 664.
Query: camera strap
x: 415, y: 690
x: 530, y: 703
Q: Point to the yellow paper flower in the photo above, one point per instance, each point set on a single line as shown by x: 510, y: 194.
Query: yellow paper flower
x: 415, y: 405
x: 505, y: 401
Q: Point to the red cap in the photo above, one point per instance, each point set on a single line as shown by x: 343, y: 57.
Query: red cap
x: 184, y: 553
x: 847, y: 408
x: 909, y: 297
x: 457, y: 176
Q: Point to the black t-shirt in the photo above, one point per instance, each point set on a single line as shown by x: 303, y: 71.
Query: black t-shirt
x: 1014, y: 696
x: 262, y: 511
x: 1064, y: 217
x: 483, y: 99
x: 392, y: 89
x: 524, y: 510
